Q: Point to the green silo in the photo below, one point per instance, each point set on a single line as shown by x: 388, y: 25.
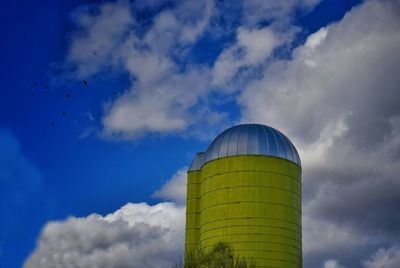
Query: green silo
x: 246, y: 190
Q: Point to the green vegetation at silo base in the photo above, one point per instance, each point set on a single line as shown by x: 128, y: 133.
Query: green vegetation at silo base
x: 221, y: 255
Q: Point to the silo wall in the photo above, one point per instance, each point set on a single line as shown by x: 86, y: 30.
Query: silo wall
x: 253, y: 202
x: 192, y: 211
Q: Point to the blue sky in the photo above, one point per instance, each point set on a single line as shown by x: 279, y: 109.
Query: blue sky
x: 164, y: 77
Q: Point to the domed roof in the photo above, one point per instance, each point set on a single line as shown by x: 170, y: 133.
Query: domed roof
x: 248, y: 139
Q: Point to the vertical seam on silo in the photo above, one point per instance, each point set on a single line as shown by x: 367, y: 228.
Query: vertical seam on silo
x: 295, y: 155
x: 266, y: 136
x: 276, y: 141
x: 238, y: 140
x: 258, y: 139
x: 229, y: 141
x: 220, y: 146
x: 218, y: 142
x: 248, y: 138
x: 293, y: 152
x: 284, y: 145
x: 207, y: 153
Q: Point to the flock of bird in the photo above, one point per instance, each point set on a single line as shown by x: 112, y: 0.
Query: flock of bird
x: 67, y: 95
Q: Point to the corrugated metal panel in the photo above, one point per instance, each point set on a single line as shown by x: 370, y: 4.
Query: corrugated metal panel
x: 233, y: 141
x: 242, y: 141
x: 217, y: 146
x: 284, y: 151
x: 209, y: 152
x: 197, y: 162
x: 263, y: 146
x: 291, y: 148
x: 223, y: 151
x: 272, y: 143
x: 298, y: 160
x: 252, y: 146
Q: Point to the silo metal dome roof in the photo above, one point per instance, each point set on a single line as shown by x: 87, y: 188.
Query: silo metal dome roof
x: 248, y: 139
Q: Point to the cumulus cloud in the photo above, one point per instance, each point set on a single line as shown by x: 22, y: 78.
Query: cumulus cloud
x: 265, y: 27
x: 174, y: 189
x: 337, y: 98
x: 157, y: 107
x: 332, y: 264
x: 251, y: 48
x: 327, y: 237
x: 101, y: 34
x: 136, y: 235
x: 169, y: 93
x: 389, y: 258
x: 256, y: 11
x: 335, y: 69
x: 163, y: 97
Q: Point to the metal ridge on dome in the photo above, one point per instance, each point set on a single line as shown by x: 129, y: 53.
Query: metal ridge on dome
x: 248, y: 139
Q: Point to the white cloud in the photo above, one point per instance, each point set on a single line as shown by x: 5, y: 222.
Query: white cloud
x: 100, y: 34
x: 204, y: 10
x: 179, y: 27
x: 332, y: 264
x: 174, y: 189
x: 136, y: 235
x: 149, y: 4
x: 165, y: 106
x: 258, y: 11
x: 349, y: 60
x: 351, y: 78
x: 315, y: 39
x: 320, y: 235
x: 389, y: 258
x: 163, y: 98
x: 337, y: 99
x: 251, y: 48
